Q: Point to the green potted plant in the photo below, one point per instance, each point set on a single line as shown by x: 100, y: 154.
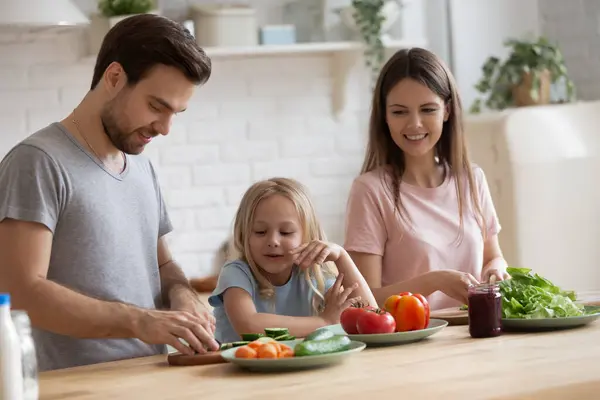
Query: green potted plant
x: 368, y: 19
x: 524, y: 78
x: 371, y: 19
x: 117, y: 10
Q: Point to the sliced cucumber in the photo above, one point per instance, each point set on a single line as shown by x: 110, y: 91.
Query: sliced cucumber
x: 226, y: 346
x: 231, y: 345
x: 275, y: 332
x: 333, y: 344
x: 285, y: 337
x: 319, y: 334
x: 251, y: 336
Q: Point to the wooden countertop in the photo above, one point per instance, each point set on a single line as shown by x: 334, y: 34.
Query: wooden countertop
x: 449, y: 365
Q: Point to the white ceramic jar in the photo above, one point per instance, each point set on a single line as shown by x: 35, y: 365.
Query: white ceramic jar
x: 222, y: 25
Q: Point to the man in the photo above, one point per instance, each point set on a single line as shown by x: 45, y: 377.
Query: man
x: 82, y: 218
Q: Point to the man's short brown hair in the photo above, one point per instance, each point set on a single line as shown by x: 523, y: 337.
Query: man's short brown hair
x: 141, y: 42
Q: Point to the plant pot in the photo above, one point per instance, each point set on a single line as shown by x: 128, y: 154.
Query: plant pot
x: 522, y: 93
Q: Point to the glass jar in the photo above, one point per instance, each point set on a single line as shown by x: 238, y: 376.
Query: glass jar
x: 485, y: 310
x: 28, y: 355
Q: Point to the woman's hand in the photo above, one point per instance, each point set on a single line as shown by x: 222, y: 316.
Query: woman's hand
x: 499, y: 274
x: 454, y: 283
x: 316, y: 252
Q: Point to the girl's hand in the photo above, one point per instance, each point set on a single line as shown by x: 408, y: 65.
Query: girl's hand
x: 336, y: 300
x: 316, y: 252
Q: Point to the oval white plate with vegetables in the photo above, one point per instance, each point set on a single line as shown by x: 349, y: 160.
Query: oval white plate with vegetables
x: 532, y: 302
x: 372, y: 339
x: 265, y: 353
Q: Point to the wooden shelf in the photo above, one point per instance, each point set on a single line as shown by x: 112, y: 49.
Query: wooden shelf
x: 302, y: 48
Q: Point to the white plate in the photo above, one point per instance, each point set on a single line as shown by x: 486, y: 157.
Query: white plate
x: 292, y: 363
x: 435, y: 325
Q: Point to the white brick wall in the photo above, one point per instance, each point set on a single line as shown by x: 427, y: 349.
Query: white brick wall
x: 575, y: 25
x: 256, y: 118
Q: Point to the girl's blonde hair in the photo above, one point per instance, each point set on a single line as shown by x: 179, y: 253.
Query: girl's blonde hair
x: 311, y: 228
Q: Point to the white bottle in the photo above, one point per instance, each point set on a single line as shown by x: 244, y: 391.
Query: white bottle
x: 11, y: 371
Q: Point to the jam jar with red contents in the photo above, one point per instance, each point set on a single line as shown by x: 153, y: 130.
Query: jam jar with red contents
x: 485, y: 310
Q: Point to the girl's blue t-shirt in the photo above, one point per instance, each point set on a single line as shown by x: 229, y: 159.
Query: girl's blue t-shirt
x: 292, y: 299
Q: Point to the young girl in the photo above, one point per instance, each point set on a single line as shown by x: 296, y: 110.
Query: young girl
x: 283, y: 276
x: 420, y: 217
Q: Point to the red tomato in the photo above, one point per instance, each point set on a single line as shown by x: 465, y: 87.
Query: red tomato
x: 349, y: 317
x: 410, y: 311
x: 375, y: 321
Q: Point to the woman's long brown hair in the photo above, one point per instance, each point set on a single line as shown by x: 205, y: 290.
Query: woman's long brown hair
x: 426, y: 68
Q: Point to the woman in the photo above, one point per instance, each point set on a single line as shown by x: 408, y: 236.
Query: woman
x: 420, y: 217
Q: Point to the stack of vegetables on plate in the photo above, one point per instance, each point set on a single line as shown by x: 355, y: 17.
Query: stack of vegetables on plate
x: 402, y: 312
x: 528, y: 295
x: 270, y: 344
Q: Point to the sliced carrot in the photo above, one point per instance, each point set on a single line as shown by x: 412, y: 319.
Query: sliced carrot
x: 255, y: 344
x: 283, y: 348
x: 286, y: 353
x: 246, y: 352
x: 268, y: 350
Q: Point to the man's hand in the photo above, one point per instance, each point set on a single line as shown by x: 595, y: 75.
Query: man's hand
x: 168, y: 327
x: 185, y: 299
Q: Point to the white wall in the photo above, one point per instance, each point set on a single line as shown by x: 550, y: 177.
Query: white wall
x: 479, y: 28
x: 438, y: 30
x: 575, y: 26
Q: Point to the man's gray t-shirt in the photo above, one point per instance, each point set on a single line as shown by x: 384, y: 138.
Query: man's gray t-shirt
x: 106, y: 228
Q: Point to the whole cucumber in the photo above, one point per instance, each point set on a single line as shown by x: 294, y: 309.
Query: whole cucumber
x: 319, y: 334
x: 333, y: 344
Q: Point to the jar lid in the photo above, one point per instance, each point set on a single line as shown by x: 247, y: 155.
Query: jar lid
x: 484, y: 287
x: 487, y: 285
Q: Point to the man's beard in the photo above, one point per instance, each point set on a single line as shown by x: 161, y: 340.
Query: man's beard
x: 120, y: 138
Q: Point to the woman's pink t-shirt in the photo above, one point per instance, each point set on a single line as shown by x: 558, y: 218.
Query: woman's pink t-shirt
x: 431, y: 241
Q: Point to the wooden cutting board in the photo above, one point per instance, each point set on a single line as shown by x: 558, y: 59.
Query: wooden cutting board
x: 178, y: 359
